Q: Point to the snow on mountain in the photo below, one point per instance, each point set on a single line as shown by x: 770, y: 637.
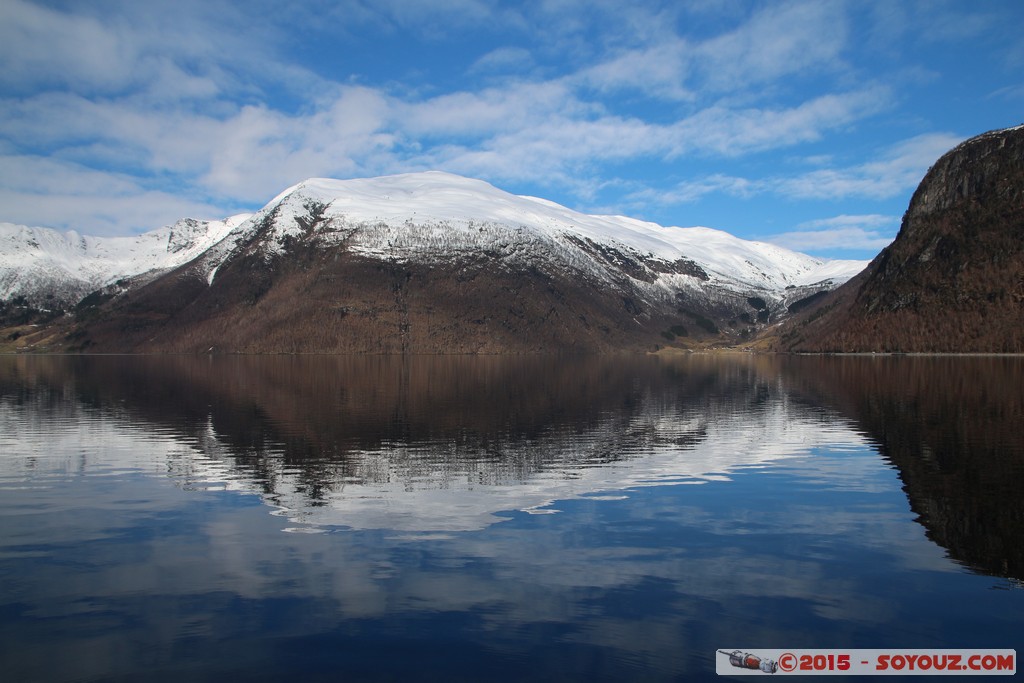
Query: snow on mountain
x: 431, y: 215
x: 424, y: 217
x: 36, y: 262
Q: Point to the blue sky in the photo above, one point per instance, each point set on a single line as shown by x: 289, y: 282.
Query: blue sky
x: 807, y: 124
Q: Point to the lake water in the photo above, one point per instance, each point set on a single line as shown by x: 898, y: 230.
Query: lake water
x: 500, y: 519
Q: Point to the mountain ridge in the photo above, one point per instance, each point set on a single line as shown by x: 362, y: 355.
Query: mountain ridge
x: 433, y: 262
x: 47, y: 265
x: 445, y: 205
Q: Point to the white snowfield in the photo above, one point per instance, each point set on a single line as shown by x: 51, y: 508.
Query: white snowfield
x: 39, y: 261
x: 418, y: 216
x: 451, y: 203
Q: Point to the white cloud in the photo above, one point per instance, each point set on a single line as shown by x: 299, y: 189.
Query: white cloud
x: 660, y: 71
x: 730, y: 132
x: 694, y: 190
x: 783, y: 39
x: 872, y: 232
x: 51, y: 193
x: 38, y: 44
x: 503, y: 59
x: 545, y: 130
x: 248, y: 155
x: 44, y: 176
x: 871, y: 221
x: 128, y: 135
x: 205, y: 98
x: 515, y: 106
x: 185, y: 53
x: 899, y: 169
x: 522, y: 131
x: 560, y: 152
x: 256, y: 153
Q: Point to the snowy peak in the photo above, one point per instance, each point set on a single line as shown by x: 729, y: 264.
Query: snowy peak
x: 45, y: 264
x: 422, y: 262
x: 413, y: 215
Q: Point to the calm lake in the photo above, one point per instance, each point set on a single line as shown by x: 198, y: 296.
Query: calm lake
x: 500, y: 519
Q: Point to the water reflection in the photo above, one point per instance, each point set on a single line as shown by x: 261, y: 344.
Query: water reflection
x: 424, y: 478
x: 455, y: 443
x: 443, y: 444
x: 954, y: 428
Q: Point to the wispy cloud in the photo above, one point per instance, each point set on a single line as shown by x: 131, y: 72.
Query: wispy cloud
x: 660, y: 71
x: 46, y: 46
x: 521, y: 130
x: 871, y: 232
x: 65, y: 195
x: 503, y: 59
x: 694, y: 190
x: 730, y: 131
x: 896, y: 171
x: 260, y: 149
x: 220, y: 103
x: 781, y: 40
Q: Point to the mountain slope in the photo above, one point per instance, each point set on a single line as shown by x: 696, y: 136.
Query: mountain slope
x: 432, y: 262
x: 953, y: 279
x: 437, y: 216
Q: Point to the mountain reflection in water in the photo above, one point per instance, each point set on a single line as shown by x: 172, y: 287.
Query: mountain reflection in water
x: 954, y: 428
x: 500, y: 518
x: 449, y: 443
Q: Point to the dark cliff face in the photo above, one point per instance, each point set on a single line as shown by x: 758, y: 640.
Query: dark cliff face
x: 953, y: 280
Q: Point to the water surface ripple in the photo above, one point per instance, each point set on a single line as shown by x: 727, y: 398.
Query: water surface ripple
x: 505, y: 519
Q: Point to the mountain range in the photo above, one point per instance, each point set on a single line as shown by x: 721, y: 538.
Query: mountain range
x: 438, y: 263
x: 425, y: 262
x: 49, y: 268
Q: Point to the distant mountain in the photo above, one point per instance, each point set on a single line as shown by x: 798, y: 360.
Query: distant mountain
x: 953, y: 279
x: 432, y: 262
x: 51, y: 268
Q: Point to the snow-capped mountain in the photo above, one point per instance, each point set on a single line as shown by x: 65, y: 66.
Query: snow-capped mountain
x: 434, y: 216
x: 48, y: 266
x: 419, y: 216
x: 416, y: 262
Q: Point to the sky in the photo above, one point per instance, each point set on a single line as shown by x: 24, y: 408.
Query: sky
x: 804, y: 124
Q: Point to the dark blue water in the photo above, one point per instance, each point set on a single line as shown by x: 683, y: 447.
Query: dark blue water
x: 497, y: 519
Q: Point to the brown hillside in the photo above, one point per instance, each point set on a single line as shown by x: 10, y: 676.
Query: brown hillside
x: 953, y: 280
x: 331, y: 301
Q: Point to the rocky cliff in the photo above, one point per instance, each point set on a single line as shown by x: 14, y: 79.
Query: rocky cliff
x: 953, y: 279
